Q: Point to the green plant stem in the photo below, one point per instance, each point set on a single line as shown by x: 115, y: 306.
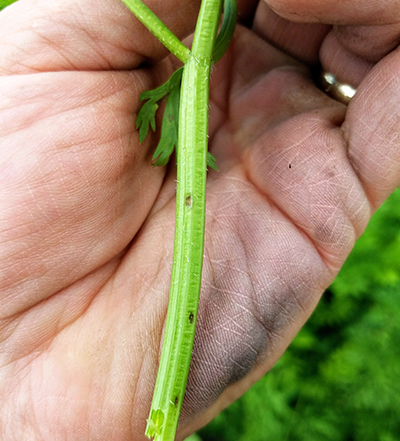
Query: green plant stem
x: 189, y: 229
x: 158, y: 29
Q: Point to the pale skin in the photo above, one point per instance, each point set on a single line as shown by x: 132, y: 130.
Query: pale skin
x: 86, y: 222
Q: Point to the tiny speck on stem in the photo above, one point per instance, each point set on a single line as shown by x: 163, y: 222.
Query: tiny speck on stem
x: 176, y: 402
x: 188, y: 201
x: 191, y: 318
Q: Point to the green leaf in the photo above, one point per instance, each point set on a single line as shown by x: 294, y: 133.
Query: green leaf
x: 169, y: 130
x: 170, y: 125
x: 147, y: 114
x: 146, y: 117
x: 227, y: 30
x: 162, y: 91
x: 211, y: 162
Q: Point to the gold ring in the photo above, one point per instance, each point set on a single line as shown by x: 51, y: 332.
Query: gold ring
x: 339, y: 91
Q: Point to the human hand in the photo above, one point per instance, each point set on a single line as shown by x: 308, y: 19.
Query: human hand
x: 87, y: 222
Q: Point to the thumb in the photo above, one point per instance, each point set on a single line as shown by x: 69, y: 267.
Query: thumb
x: 47, y: 35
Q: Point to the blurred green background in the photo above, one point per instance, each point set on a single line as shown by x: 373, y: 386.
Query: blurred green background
x: 340, y: 378
x: 4, y: 3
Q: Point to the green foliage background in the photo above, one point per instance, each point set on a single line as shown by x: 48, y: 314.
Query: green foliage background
x: 340, y: 378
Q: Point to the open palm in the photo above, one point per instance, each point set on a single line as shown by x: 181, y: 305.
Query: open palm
x: 86, y: 222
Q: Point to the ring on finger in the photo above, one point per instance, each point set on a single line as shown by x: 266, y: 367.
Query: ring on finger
x: 341, y: 92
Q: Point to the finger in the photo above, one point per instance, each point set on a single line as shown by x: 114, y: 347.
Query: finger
x: 365, y: 12
x: 350, y: 52
x: 44, y: 35
x: 342, y: 63
x: 300, y: 40
x: 372, y: 128
x: 361, y: 37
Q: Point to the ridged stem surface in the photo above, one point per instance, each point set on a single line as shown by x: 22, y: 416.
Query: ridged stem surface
x: 189, y: 229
